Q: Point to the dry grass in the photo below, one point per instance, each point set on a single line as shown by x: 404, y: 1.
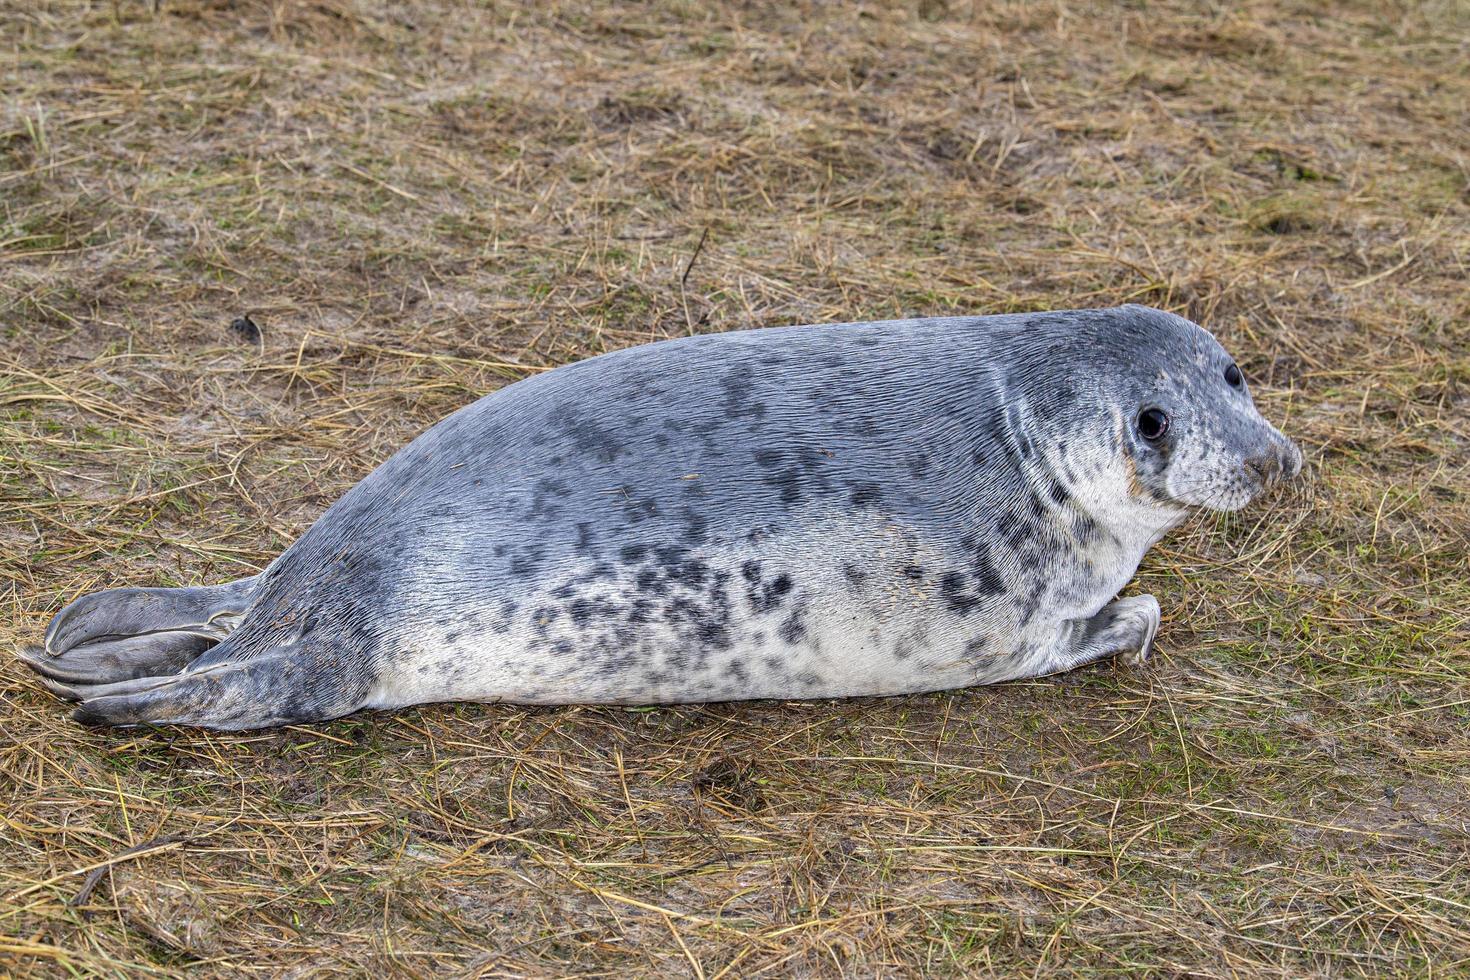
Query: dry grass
x: 418, y: 204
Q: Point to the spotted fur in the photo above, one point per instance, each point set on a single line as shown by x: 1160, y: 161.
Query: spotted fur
x: 853, y: 509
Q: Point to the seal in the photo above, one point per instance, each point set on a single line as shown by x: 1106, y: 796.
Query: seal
x: 820, y: 511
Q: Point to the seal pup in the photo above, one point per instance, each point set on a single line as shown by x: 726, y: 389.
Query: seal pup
x: 820, y: 511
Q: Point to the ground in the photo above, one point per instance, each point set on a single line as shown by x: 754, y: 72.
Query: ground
x: 418, y: 203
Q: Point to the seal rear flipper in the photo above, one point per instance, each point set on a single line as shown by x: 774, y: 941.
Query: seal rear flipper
x: 230, y: 690
x: 106, y: 661
x: 120, y: 634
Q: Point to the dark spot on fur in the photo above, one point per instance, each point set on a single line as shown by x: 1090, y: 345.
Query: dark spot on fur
x: 591, y: 438
x: 914, y: 573
x: 715, y: 633
x: 652, y: 582
x: 691, y: 573
x: 751, y: 571
x: 695, y: 527
x: 585, y: 539
x: 767, y: 599
x: 866, y: 494
x: 956, y: 599
x: 581, y: 611
x: 632, y: 554
x: 975, y: 650
x: 1012, y: 530
x: 737, y: 401
x: 854, y: 575
x: 793, y: 630
x: 1028, y: 608
x: 543, y: 617
x: 758, y: 534
x: 788, y: 481
x: 767, y: 458
x: 637, y: 511
x: 988, y: 581
x: 544, y: 497
x: 525, y: 563
x: 1059, y: 493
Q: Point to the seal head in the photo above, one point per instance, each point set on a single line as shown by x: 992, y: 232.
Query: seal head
x: 1195, y: 436
x: 1143, y: 417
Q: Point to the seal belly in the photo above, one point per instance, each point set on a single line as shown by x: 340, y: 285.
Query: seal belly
x: 845, y: 607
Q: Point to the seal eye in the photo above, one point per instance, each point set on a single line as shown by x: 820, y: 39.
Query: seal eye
x: 1152, y: 424
x: 1232, y: 376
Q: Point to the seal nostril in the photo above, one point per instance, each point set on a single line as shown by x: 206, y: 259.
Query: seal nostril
x: 1293, y: 460
x: 1266, y: 467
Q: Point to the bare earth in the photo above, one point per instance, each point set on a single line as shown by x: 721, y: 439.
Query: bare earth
x: 419, y: 203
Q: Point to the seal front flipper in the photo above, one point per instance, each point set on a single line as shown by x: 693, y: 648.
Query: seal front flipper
x: 120, y: 634
x: 1123, y: 628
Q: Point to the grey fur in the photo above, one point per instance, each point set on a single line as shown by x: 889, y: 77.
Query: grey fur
x: 851, y: 509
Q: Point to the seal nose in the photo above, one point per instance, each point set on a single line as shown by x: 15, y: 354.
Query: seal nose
x: 1282, y: 460
x: 1292, y: 462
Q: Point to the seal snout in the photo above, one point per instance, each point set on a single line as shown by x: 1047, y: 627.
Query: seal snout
x: 1280, y: 460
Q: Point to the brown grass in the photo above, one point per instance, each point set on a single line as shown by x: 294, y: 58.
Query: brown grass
x: 420, y: 203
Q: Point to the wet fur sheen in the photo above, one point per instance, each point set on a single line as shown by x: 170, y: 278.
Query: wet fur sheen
x: 838, y: 510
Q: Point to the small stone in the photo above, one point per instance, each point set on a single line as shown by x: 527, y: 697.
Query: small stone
x: 246, y: 328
